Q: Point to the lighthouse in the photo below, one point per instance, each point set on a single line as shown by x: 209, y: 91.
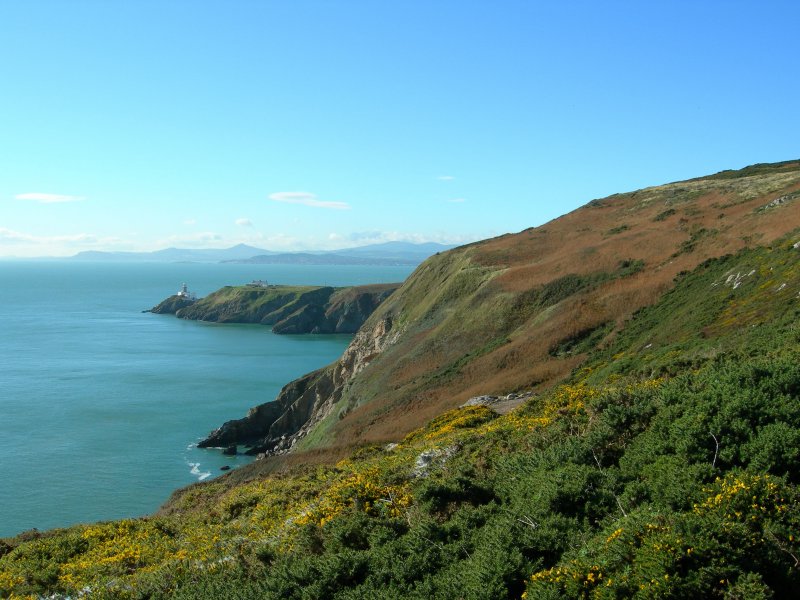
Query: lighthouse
x: 185, y: 293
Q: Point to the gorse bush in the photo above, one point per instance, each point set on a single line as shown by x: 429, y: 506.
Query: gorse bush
x: 587, y: 492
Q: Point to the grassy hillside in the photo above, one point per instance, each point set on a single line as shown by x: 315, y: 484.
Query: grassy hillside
x: 666, y: 468
x: 254, y: 304
x: 491, y: 317
x: 659, y: 456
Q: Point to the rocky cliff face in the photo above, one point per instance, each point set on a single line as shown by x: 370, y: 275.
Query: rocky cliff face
x: 276, y: 427
x: 172, y: 305
x: 344, y: 311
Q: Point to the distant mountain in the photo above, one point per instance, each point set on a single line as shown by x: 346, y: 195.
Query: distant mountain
x: 176, y: 255
x: 304, y: 258
x: 396, y: 250
x: 393, y: 253
x: 390, y: 253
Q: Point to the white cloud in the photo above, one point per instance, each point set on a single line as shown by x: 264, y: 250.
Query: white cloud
x: 358, y: 236
x: 276, y: 241
x: 9, y: 235
x: 244, y: 222
x: 202, y: 238
x: 457, y: 200
x: 47, y: 198
x: 209, y: 239
x: 190, y: 222
x: 307, y: 199
x: 17, y: 237
x: 445, y: 178
x: 363, y: 238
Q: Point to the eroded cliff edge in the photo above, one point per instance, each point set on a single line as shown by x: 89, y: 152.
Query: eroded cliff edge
x: 275, y: 427
x: 288, y: 309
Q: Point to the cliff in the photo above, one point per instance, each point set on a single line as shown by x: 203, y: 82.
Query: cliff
x: 288, y: 309
x: 275, y: 427
x: 345, y: 310
x: 519, y: 312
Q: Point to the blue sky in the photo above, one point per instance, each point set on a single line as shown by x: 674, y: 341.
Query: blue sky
x: 307, y: 125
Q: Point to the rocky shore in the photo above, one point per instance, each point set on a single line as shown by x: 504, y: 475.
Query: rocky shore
x: 275, y: 427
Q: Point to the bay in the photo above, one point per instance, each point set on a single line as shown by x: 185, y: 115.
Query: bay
x: 101, y: 405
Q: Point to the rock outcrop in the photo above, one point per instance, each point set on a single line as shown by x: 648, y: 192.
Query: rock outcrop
x: 275, y: 427
x: 344, y: 312
x: 172, y: 305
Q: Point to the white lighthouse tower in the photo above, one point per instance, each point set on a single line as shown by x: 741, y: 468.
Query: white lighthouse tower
x: 185, y: 293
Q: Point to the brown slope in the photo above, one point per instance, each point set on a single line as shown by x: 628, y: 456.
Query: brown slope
x: 712, y: 216
x: 494, y: 317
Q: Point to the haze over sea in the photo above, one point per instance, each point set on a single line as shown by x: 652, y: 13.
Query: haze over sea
x: 101, y: 404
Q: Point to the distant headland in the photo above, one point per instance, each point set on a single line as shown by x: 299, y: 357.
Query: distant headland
x: 288, y: 309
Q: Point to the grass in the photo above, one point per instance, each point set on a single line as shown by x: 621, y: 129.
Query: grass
x: 249, y: 304
x: 539, y: 290
x: 705, y: 315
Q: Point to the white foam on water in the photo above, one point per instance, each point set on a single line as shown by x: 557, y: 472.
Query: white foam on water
x: 195, y: 470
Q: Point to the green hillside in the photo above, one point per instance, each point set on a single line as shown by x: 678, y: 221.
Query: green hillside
x: 521, y: 312
x: 254, y: 304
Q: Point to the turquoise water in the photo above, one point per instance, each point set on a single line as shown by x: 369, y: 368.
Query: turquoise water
x: 101, y: 404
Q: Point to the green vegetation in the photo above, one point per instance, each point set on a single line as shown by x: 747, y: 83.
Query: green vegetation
x: 731, y: 303
x: 757, y: 169
x: 618, y: 229
x: 666, y: 467
x: 663, y: 216
x: 252, y: 304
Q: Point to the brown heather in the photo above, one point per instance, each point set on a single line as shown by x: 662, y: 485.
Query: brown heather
x: 469, y: 319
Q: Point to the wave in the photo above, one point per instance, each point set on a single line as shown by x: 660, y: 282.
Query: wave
x: 195, y: 470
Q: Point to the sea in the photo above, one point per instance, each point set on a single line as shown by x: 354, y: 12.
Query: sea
x: 102, y: 404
